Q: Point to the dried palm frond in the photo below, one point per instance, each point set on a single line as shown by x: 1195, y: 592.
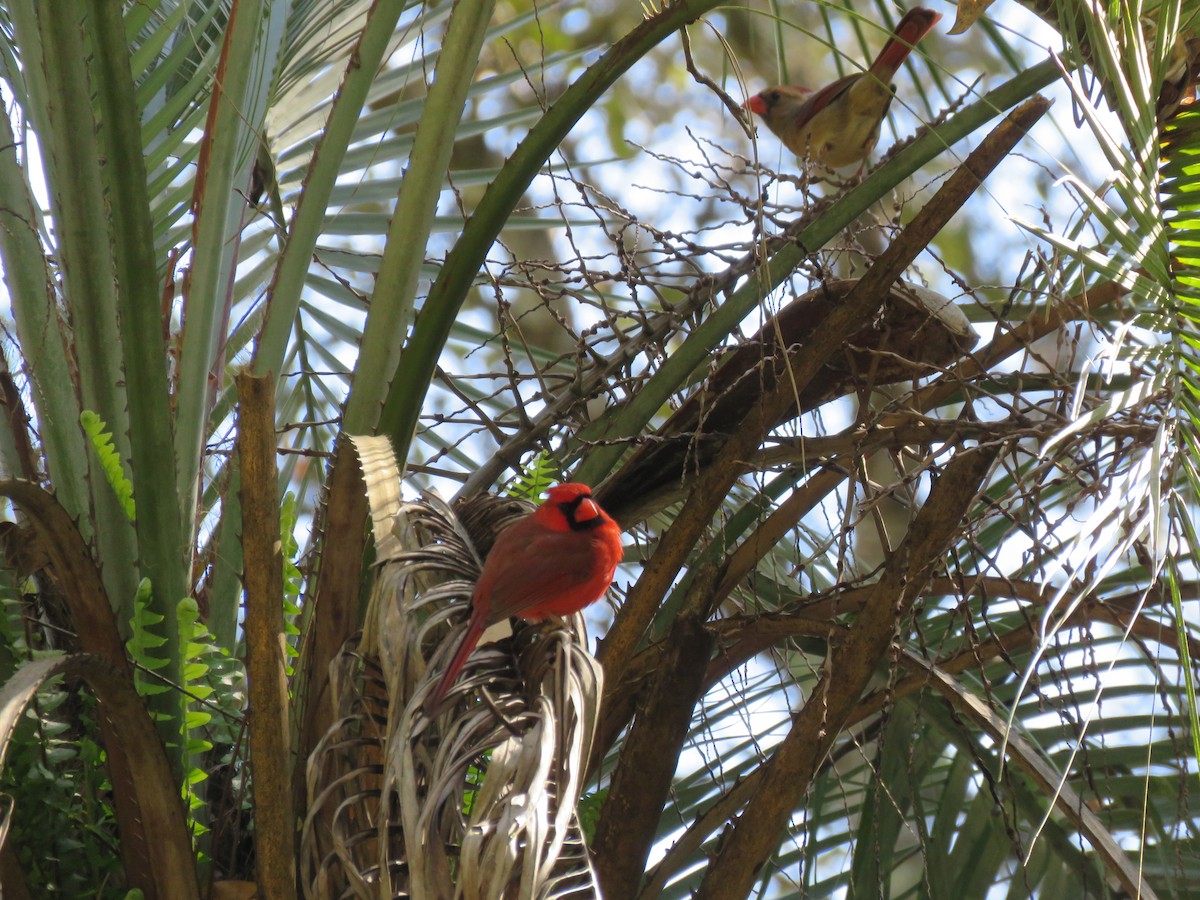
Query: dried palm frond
x: 478, y: 801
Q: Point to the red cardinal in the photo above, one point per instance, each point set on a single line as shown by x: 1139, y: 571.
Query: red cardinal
x: 839, y: 124
x: 553, y: 562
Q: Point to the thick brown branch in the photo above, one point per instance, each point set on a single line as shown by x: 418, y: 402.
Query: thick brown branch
x: 910, y: 333
x: 334, y: 606
x: 762, y: 631
x: 817, y: 725
x: 642, y: 781
x: 266, y: 672
x: 714, y: 483
x: 91, y: 614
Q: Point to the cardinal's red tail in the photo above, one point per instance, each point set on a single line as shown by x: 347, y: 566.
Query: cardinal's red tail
x: 470, y: 638
x: 915, y: 24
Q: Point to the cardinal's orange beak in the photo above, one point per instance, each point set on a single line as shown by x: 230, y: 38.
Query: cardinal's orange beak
x: 756, y: 104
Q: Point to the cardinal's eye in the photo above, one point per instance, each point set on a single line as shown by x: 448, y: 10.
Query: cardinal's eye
x: 774, y: 96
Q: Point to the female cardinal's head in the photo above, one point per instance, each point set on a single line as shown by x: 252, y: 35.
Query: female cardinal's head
x: 774, y: 102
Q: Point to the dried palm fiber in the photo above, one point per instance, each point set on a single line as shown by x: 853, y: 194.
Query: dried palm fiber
x: 478, y: 802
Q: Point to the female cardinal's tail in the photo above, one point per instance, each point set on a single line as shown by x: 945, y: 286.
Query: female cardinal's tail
x: 915, y: 24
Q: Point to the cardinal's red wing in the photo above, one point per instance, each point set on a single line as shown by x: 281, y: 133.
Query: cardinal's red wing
x: 821, y: 99
x: 541, y: 572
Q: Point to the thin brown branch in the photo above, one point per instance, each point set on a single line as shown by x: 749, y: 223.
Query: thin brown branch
x: 742, y: 637
x: 910, y: 429
x: 732, y: 106
x: 772, y: 530
x: 1015, y: 340
x: 1052, y: 785
x: 1127, y: 618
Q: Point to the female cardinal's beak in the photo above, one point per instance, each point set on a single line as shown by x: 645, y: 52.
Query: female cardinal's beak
x: 756, y: 104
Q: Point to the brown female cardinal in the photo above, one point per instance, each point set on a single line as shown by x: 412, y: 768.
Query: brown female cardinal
x: 839, y: 124
x: 554, y: 562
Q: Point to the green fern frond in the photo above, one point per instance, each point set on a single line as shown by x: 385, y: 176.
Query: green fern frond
x: 589, y: 811
x: 293, y: 578
x: 530, y: 484
x: 197, y: 644
x: 143, y: 640
x: 110, y: 460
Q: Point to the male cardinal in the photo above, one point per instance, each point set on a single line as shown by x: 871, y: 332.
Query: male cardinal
x: 553, y: 562
x: 839, y: 124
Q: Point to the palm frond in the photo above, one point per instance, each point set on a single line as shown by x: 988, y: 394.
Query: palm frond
x: 482, y: 796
